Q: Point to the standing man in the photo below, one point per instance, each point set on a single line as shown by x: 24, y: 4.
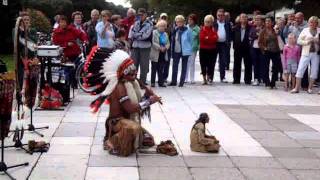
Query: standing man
x: 241, y: 48
x: 295, y: 25
x: 129, y: 20
x: 90, y: 28
x: 141, y: 37
x: 228, y: 19
x: 223, y: 28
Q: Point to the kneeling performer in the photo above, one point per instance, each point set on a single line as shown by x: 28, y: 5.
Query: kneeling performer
x: 113, y: 75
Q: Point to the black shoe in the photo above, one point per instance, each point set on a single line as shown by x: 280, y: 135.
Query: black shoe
x: 180, y: 85
x: 173, y: 84
x: 153, y: 85
x: 248, y: 83
x: 236, y: 82
x: 162, y: 85
x: 146, y: 84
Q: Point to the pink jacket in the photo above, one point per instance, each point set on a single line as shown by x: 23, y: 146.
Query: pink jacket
x: 291, y: 53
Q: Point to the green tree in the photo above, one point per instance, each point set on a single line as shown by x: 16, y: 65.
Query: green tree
x: 39, y: 21
x: 202, y: 7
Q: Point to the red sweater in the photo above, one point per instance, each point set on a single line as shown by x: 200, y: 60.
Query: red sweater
x: 208, y: 38
x: 61, y: 37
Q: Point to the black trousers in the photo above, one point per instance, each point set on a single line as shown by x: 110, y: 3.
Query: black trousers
x: 222, y: 49
x: 228, y: 57
x: 256, y: 58
x: 158, y: 68
x: 276, y: 65
x: 240, y: 54
x: 207, y: 61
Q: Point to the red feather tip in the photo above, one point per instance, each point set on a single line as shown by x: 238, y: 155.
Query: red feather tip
x: 106, y: 101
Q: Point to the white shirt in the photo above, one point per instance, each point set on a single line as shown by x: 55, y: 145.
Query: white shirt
x: 221, y: 32
x: 243, y: 32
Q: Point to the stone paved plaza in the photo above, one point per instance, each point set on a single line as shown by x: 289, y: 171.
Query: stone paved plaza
x: 264, y: 134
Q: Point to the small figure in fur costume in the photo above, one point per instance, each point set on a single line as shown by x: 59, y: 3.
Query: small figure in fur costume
x: 200, y: 142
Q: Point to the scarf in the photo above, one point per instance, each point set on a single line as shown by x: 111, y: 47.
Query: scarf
x: 162, y: 39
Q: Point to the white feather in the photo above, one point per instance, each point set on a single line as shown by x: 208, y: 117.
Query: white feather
x: 112, y: 63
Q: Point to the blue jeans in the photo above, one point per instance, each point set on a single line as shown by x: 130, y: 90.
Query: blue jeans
x: 175, y: 67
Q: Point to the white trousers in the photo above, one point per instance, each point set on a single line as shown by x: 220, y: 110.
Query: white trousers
x: 304, y: 62
x: 191, y: 67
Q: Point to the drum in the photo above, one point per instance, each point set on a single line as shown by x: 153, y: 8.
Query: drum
x: 49, y: 51
x: 7, y: 83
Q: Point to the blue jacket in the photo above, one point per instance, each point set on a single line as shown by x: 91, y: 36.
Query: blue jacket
x: 186, y: 41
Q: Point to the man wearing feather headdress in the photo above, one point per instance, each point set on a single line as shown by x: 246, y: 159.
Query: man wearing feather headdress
x: 112, y: 74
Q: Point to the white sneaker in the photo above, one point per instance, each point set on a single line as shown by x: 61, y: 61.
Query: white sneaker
x: 255, y: 83
x: 224, y: 81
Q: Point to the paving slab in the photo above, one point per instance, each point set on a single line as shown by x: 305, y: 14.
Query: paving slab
x: 306, y: 174
x: 217, y: 174
x: 291, y: 153
x: 60, y: 167
x: 161, y: 173
x: 305, y: 135
x: 112, y: 161
x: 208, y: 161
x: 256, y: 162
x: 112, y: 173
x: 76, y: 130
x: 160, y: 160
x: 267, y: 174
x: 300, y: 163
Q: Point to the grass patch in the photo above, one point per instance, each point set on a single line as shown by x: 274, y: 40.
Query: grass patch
x: 8, y: 59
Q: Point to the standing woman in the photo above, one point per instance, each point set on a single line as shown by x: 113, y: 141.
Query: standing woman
x: 255, y: 51
x: 208, y: 52
x: 192, y: 24
x: 309, y: 40
x: 268, y: 43
x: 77, y: 17
x: 159, y: 53
x: 181, y: 49
x: 105, y: 32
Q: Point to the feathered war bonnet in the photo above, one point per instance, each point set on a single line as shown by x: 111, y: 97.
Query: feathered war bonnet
x: 104, y: 68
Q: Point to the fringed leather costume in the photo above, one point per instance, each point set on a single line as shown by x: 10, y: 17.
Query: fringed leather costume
x: 112, y: 75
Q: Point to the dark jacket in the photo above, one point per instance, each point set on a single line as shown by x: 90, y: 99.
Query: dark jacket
x: 254, y: 34
x: 90, y: 29
x: 237, y: 44
x: 228, y: 29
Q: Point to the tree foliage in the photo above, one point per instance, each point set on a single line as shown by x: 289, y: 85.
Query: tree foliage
x: 203, y: 7
x: 39, y: 21
x: 66, y: 7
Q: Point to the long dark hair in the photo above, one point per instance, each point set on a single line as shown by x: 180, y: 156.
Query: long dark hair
x: 202, y: 119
